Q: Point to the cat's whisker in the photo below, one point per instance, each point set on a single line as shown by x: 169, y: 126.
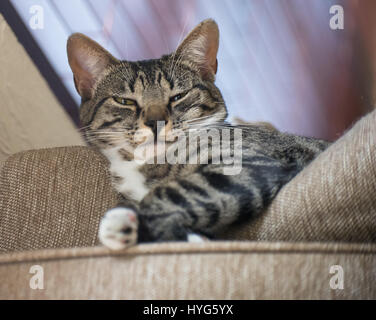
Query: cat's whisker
x: 114, y: 133
x: 198, y: 118
x: 113, y: 130
x: 102, y: 136
x: 109, y: 139
x: 204, y: 117
x: 174, y: 54
x: 106, y: 135
x: 127, y: 74
x: 83, y: 129
x: 178, y: 60
x: 108, y: 132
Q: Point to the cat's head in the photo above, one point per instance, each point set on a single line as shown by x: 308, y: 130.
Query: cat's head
x: 119, y: 98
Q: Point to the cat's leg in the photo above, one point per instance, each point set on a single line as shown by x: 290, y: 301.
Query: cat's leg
x: 202, y: 203
x: 207, y: 201
x: 118, y: 229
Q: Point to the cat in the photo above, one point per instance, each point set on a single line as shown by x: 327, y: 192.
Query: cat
x: 176, y: 202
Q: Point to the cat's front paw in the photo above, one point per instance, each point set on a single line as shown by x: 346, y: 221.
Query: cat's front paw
x: 118, y: 228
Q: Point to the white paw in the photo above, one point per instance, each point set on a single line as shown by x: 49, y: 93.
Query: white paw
x: 194, y: 237
x: 118, y: 228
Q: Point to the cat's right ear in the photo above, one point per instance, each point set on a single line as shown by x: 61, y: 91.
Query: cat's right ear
x: 88, y: 61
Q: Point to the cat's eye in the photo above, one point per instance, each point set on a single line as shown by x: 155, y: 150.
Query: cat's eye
x: 125, y: 102
x: 177, y: 97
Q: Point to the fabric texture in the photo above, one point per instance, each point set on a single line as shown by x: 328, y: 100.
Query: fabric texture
x: 212, y: 270
x: 53, y: 198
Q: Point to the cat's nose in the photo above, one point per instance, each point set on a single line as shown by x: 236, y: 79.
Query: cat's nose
x: 152, y: 117
x: 152, y: 124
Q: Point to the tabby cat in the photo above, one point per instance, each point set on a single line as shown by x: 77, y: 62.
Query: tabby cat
x: 182, y: 201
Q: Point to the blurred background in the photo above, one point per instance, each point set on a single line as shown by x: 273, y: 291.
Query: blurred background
x: 279, y: 61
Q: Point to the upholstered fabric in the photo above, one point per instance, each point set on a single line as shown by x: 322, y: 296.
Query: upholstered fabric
x: 54, y: 198
x: 213, y: 270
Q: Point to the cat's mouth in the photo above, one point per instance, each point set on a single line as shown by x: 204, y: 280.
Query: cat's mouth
x: 158, y: 141
x: 155, y: 135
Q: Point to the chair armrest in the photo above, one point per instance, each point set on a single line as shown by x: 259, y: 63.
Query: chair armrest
x: 53, y: 198
x: 211, y: 270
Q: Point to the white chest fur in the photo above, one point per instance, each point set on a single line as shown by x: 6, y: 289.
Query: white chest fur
x: 131, y: 182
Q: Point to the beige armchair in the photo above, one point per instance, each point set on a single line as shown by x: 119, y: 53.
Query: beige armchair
x: 317, y: 235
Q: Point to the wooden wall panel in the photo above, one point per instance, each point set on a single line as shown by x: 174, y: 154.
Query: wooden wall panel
x: 30, y: 115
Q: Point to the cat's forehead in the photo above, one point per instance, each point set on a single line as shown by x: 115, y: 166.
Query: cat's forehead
x: 156, y: 78
x: 150, y: 74
x: 166, y: 73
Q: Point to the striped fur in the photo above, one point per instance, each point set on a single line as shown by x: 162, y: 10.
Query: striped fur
x: 120, y: 98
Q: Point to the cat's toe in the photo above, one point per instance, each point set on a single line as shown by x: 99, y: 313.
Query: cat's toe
x: 118, y: 228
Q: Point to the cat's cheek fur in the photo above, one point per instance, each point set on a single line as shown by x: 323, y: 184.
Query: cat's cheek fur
x: 118, y: 229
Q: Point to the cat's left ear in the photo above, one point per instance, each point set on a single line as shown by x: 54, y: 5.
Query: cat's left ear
x: 200, y: 48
